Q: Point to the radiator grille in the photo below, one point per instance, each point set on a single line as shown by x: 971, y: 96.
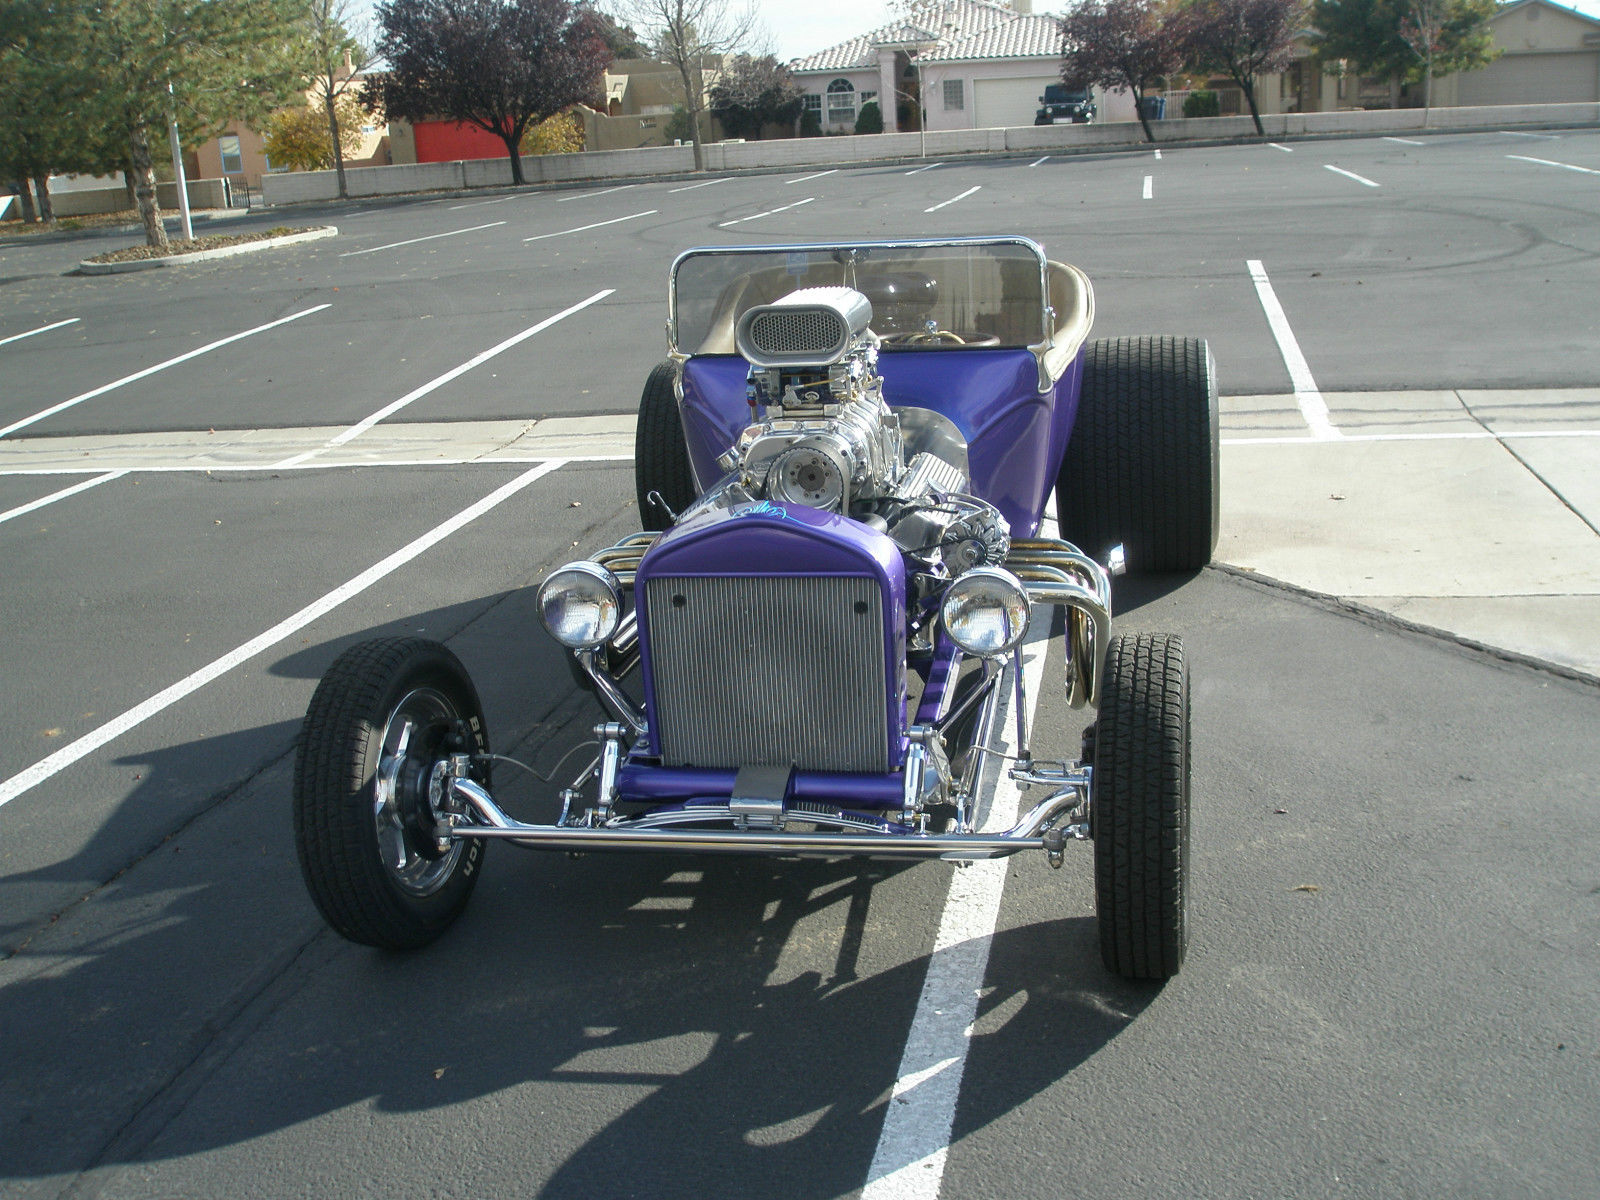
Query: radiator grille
x: 772, y: 670
x: 807, y: 331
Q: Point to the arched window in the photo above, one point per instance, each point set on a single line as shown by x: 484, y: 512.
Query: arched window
x: 841, y: 102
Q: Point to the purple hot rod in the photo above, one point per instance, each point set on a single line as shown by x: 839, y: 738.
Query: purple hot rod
x: 816, y: 645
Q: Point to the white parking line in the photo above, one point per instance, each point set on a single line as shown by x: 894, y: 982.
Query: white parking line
x: 1543, y: 137
x: 591, y: 195
x: 17, y: 337
x: 1285, y: 149
x: 389, y: 410
x: 1149, y: 186
x: 920, y: 170
x: 909, y: 1162
x: 24, y: 509
x: 768, y: 213
x: 1545, y: 162
x: 953, y: 199
x: 1158, y: 154
x: 161, y: 366
x: 31, y: 778
x: 479, y: 203
x: 818, y: 175
x: 1462, y: 435
x: 1405, y: 141
x: 1037, y: 161
x: 1349, y: 174
x: 691, y: 187
x: 1306, y: 393
x: 539, y: 237
x: 413, y: 241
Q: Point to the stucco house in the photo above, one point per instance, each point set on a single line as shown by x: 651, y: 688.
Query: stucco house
x: 239, y: 154
x: 973, y: 64
x: 1549, y: 54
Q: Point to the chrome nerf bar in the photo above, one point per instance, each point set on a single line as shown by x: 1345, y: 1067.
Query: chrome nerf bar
x: 1039, y: 829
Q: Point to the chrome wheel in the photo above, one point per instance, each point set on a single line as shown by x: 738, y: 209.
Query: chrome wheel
x: 369, y: 790
x: 407, y: 799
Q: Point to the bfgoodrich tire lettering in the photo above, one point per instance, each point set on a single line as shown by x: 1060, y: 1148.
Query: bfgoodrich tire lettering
x: 384, y: 712
x: 1141, y: 468
x: 1139, y: 814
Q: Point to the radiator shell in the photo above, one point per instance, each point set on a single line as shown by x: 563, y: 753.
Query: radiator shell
x: 786, y: 670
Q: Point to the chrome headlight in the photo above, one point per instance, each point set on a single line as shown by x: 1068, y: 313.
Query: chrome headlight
x: 581, y: 604
x: 985, y: 611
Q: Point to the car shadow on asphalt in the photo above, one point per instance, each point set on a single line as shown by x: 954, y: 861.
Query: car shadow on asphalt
x: 749, y: 1014
x: 1135, y: 591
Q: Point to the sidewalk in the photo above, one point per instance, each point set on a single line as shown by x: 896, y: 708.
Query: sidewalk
x: 1472, y: 512
x: 1475, y: 512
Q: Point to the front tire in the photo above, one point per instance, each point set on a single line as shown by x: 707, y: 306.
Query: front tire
x: 1142, y: 466
x: 1139, y: 807
x: 385, y: 712
x: 660, y: 452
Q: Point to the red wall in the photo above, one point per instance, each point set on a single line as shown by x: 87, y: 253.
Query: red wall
x: 447, y: 141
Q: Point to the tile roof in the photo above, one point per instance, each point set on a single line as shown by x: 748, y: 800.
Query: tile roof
x: 1026, y: 35
x: 959, y: 30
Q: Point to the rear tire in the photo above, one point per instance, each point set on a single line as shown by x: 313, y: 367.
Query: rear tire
x: 385, y: 712
x: 1139, y: 807
x: 660, y: 453
x: 1141, y: 468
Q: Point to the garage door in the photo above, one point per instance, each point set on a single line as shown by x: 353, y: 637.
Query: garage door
x: 1534, y: 79
x: 999, y: 103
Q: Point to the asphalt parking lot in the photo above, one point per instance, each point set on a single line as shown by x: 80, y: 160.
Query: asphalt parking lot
x: 213, y: 479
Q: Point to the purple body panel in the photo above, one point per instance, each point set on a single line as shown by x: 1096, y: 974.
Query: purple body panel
x: 641, y: 781
x: 766, y: 540
x: 942, y: 672
x: 1016, y: 435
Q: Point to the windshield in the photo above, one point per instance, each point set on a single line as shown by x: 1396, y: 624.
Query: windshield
x: 986, y: 291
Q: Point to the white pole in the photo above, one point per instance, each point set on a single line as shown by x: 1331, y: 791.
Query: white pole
x: 922, y: 111
x: 177, y: 170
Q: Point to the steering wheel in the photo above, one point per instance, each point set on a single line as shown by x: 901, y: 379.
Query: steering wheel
x: 939, y: 337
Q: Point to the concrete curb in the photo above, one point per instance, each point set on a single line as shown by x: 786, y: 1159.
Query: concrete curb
x: 1380, y: 619
x: 178, y: 260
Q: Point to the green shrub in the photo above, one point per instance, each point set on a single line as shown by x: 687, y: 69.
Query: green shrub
x: 870, y: 118
x: 810, y: 124
x: 1202, y: 103
x: 679, y: 127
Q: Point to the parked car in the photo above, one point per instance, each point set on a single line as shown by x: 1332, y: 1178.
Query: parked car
x: 815, y: 646
x: 1061, y: 105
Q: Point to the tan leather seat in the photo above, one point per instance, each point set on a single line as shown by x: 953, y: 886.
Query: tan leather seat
x: 1072, y: 297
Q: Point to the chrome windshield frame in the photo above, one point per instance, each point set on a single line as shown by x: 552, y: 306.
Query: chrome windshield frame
x: 1046, y: 317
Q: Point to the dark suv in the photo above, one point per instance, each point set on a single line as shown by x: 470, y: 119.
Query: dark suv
x: 1062, y: 105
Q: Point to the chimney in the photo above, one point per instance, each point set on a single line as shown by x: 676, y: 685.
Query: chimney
x: 1025, y: 7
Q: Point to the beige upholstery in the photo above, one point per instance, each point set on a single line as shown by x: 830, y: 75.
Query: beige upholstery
x: 1072, y: 297
x: 1069, y: 291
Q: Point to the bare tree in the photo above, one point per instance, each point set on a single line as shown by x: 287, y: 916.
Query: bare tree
x: 688, y: 34
x: 1422, y: 28
x: 341, y: 54
x: 1120, y: 44
x: 1242, y: 39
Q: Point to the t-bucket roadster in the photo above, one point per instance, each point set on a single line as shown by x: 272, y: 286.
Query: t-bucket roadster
x: 815, y: 648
